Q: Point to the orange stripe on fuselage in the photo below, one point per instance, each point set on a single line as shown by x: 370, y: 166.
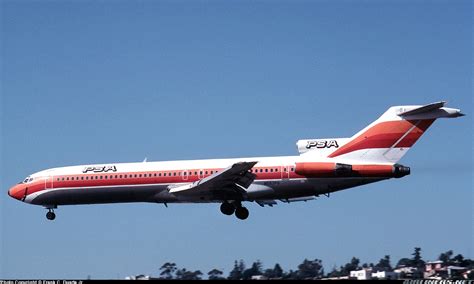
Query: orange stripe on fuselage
x: 114, y: 179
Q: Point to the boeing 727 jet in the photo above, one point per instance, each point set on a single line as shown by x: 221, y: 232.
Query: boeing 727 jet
x: 323, y: 166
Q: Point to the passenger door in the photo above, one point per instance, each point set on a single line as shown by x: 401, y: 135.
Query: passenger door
x: 48, y: 182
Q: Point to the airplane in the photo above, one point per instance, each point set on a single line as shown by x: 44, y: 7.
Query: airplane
x: 323, y: 166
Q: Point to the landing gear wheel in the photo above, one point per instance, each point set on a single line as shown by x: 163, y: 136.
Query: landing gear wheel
x: 242, y: 213
x: 227, y: 208
x: 50, y: 215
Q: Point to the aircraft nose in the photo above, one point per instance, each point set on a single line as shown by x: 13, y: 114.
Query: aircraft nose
x: 16, y: 192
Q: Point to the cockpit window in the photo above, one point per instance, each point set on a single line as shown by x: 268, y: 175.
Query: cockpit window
x: 27, y: 179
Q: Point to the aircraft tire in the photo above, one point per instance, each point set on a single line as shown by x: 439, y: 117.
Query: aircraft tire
x: 50, y: 216
x: 242, y: 213
x: 227, y: 208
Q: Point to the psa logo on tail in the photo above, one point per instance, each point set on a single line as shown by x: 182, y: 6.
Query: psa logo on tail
x: 320, y: 144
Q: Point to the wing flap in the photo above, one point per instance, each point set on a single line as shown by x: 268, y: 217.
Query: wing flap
x: 236, y: 178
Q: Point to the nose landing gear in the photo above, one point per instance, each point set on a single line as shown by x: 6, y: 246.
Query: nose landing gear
x: 50, y: 215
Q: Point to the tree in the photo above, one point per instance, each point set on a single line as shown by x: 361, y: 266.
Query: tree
x: 384, y: 264
x: 404, y: 262
x: 291, y: 275
x: 276, y: 272
x: 167, y: 270
x: 348, y: 267
x: 183, y: 274
x: 256, y: 269
x: 215, y: 274
x: 310, y: 269
x: 236, y: 273
x: 416, y: 260
x: 335, y: 272
x: 446, y: 257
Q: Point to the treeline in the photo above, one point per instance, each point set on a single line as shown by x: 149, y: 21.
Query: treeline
x: 313, y: 269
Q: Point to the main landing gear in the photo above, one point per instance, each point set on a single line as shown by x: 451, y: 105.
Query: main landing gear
x: 50, y: 215
x: 236, y: 207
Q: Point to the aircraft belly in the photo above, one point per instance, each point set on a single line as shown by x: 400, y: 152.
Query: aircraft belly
x: 305, y: 187
x: 71, y: 196
x: 259, y: 190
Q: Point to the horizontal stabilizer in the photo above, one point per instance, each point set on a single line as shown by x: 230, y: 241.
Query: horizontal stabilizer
x: 423, y: 109
x: 430, y: 111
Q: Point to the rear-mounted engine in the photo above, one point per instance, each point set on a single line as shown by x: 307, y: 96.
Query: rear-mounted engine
x: 345, y: 170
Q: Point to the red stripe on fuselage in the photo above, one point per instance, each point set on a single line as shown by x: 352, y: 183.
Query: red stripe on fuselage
x: 145, y: 178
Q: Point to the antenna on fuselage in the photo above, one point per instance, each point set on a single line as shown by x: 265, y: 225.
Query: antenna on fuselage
x: 144, y: 161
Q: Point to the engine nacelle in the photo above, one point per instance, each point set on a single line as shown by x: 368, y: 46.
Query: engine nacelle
x: 310, y: 169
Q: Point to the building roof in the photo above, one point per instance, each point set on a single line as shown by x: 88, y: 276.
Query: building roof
x: 434, y: 262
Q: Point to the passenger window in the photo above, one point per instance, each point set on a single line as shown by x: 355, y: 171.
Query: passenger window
x: 101, y: 177
x: 174, y: 173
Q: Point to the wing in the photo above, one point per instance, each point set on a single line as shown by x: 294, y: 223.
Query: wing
x: 232, y: 181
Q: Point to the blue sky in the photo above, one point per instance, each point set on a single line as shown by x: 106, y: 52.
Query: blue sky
x: 117, y: 81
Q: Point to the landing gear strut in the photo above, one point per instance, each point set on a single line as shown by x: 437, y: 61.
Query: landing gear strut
x: 228, y: 208
x: 50, y: 215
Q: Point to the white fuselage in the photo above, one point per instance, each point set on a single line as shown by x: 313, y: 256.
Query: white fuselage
x: 150, y: 181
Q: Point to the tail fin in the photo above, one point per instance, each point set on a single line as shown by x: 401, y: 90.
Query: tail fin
x: 387, y: 139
